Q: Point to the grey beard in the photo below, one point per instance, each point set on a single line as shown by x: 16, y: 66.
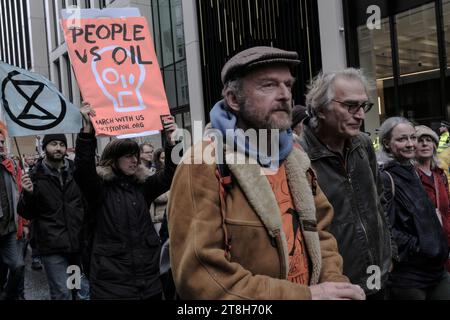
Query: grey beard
x: 264, y: 123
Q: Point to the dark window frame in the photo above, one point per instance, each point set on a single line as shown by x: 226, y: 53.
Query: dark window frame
x: 156, y: 9
x: 355, y: 15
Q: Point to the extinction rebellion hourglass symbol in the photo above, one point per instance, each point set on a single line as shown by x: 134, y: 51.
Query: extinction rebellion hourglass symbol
x: 26, y: 115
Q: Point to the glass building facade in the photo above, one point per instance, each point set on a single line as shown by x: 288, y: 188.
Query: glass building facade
x: 406, y: 58
x: 15, y: 46
x: 227, y: 27
x: 168, y: 33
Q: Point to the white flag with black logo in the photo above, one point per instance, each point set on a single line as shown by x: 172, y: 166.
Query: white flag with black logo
x: 33, y: 105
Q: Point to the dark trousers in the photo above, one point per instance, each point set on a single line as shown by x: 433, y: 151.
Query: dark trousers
x: 169, y: 290
x: 441, y: 291
x: 22, y: 246
x: 3, y: 275
x: 12, y: 256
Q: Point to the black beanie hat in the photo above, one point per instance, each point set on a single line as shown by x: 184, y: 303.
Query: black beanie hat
x: 52, y: 137
x: 298, y: 115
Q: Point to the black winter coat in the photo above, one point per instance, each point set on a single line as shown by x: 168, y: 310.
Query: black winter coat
x: 126, y: 247
x: 57, y: 210
x: 421, y: 242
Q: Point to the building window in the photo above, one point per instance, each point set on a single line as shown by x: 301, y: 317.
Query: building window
x: 187, y: 121
x: 418, y: 59
x: 170, y: 86
x: 168, y: 35
x: 57, y: 73
x: 446, y: 20
x: 182, y: 83
x: 9, y: 32
x: 53, y: 8
x: 69, y: 75
x: 446, y: 28
x: 375, y: 58
x: 417, y: 40
x: 166, y: 32
x: 404, y: 58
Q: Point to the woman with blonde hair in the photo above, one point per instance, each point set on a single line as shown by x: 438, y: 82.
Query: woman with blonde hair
x: 432, y: 177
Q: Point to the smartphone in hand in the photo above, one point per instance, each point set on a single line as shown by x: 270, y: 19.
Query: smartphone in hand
x: 167, y: 120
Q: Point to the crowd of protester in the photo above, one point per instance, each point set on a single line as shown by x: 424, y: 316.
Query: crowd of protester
x: 330, y: 215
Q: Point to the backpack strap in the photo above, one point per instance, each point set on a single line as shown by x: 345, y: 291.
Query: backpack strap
x: 223, y: 175
x: 392, y: 183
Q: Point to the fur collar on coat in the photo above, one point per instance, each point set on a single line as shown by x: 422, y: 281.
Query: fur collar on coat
x: 263, y: 201
x: 260, y: 196
x: 107, y: 174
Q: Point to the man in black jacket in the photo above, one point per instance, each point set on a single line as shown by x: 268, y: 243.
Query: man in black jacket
x: 52, y: 199
x: 346, y: 168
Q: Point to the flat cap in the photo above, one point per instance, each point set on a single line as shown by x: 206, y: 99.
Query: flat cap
x: 245, y: 60
x: 426, y: 131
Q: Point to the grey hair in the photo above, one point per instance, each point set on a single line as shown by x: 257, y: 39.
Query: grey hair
x: 385, y: 132
x: 235, y: 86
x: 321, y: 90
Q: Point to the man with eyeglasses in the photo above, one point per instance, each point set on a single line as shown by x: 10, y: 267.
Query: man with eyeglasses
x: 345, y: 163
x: 147, y: 155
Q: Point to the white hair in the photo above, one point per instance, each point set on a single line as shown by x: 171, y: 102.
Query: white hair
x: 322, y: 90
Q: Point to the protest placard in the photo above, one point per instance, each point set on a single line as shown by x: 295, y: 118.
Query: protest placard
x: 118, y: 74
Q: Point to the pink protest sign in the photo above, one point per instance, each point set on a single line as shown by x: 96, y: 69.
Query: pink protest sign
x: 118, y: 74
